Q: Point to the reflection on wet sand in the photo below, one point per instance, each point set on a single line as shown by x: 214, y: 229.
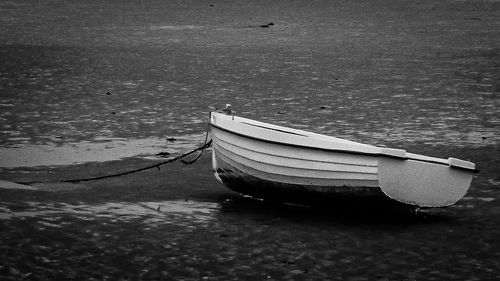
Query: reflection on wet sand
x: 230, y: 236
x: 172, y: 212
x: 97, y: 150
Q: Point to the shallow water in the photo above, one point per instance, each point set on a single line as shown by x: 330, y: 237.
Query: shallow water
x: 95, y: 150
x: 148, y: 212
x: 413, y: 72
x: 85, y: 81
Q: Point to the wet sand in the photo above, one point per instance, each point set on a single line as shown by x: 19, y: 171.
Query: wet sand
x: 180, y: 223
x: 90, y: 75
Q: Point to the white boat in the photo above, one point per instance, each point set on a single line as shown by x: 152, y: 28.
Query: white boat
x: 264, y: 160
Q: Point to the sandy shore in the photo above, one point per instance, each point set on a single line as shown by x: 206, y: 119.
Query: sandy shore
x: 172, y: 181
x: 180, y: 223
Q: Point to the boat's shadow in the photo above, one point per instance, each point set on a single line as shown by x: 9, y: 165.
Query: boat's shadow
x: 343, y: 211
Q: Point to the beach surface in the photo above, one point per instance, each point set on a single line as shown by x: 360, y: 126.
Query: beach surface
x: 180, y: 223
x: 91, y: 88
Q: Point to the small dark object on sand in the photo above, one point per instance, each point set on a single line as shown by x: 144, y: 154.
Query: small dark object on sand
x: 163, y: 154
x: 171, y: 139
x: 108, y: 93
x: 267, y: 25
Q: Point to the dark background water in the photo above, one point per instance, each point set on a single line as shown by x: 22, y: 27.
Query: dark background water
x: 419, y: 75
x: 373, y: 71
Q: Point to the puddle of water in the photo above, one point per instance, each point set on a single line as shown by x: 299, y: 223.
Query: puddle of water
x: 173, y: 212
x: 176, y: 27
x: 100, y: 150
x: 13, y: 185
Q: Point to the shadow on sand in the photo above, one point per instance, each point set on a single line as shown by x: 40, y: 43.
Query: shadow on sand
x: 342, y: 211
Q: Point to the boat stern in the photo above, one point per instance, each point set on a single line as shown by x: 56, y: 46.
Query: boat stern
x: 425, y: 184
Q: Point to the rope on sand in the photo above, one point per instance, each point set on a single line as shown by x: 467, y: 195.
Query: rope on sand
x: 157, y: 165
x: 206, y: 144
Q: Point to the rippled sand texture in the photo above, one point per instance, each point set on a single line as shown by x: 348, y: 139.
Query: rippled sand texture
x: 77, y: 75
x: 155, y: 225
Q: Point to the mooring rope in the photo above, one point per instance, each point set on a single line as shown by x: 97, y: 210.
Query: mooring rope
x: 157, y: 165
x: 203, y: 147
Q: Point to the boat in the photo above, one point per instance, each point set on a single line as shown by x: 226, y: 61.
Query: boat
x: 270, y: 161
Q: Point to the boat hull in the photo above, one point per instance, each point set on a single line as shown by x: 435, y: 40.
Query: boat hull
x: 245, y: 182
x: 268, y: 161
